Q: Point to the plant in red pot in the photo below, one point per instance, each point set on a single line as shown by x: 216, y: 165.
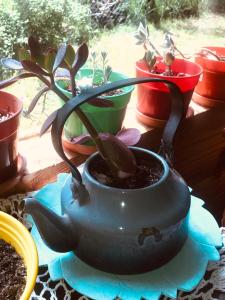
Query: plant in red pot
x: 154, y: 103
x: 210, y: 90
x: 10, y: 109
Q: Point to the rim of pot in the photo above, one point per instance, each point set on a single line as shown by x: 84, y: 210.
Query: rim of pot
x: 123, y: 76
x: 166, y: 76
x: 14, y: 115
x: 161, y: 160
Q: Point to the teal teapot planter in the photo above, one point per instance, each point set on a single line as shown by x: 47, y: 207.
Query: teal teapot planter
x: 122, y: 231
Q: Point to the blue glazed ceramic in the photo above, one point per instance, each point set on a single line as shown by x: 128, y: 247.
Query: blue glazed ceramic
x: 122, y: 231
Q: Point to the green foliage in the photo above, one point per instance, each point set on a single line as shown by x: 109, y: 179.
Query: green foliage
x: 10, y: 35
x: 156, y: 10
x: 177, y: 8
x: 217, y: 6
x: 54, y: 21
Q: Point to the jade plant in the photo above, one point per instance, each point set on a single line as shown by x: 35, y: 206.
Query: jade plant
x: 34, y: 62
x: 143, y: 38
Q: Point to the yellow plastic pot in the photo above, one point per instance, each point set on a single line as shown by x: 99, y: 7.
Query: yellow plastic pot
x: 16, y: 234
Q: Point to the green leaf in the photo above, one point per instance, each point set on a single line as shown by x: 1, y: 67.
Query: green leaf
x: 40, y: 60
x: 11, y: 63
x: 33, y: 67
x: 48, y: 122
x: 150, y: 58
x: 60, y: 55
x: 24, y: 54
x: 36, y: 98
x: 49, y: 61
x: 80, y: 58
x: 108, y: 72
x: 104, y: 55
x: 70, y: 56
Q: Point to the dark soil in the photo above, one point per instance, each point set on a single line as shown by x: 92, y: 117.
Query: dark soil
x: 148, y: 172
x: 112, y: 93
x: 12, y: 273
x: 4, y: 116
x: 156, y: 70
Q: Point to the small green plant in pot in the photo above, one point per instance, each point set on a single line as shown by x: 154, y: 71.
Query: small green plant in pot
x: 154, y: 102
x: 107, y: 116
x: 125, y: 196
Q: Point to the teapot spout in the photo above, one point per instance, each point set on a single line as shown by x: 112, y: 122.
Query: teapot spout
x: 55, y: 230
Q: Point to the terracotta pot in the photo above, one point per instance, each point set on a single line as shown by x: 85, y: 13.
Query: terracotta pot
x: 210, y: 90
x: 8, y: 136
x: 154, y: 98
x: 78, y: 148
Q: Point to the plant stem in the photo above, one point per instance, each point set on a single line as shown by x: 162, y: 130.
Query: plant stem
x: 73, y: 84
x: 154, y: 48
x: 92, y: 131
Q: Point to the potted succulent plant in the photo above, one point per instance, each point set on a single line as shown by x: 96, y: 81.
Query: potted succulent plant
x: 107, y: 116
x: 154, y: 103
x: 125, y: 196
x: 19, y: 260
x: 10, y: 109
x: 210, y: 89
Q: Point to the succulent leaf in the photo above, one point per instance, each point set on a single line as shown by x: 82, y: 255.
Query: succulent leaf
x: 49, y: 61
x: 168, y: 58
x: 48, y: 122
x: 129, y: 136
x: 11, y: 63
x: 35, y: 99
x: 80, y: 58
x: 8, y: 82
x: 81, y: 139
x: 108, y: 72
x: 70, y: 56
x: 60, y: 55
x: 24, y: 54
x: 118, y: 153
x: 150, y: 58
x: 104, y: 55
x: 33, y: 67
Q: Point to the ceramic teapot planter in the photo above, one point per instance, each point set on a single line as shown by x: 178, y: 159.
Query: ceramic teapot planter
x: 8, y: 136
x: 154, y: 104
x: 123, y: 231
x: 210, y: 91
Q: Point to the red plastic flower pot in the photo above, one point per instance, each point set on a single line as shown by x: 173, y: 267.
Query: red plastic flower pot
x: 210, y: 90
x: 154, y: 99
x: 8, y: 135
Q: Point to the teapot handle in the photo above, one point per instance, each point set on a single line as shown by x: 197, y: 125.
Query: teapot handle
x: 166, y: 148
